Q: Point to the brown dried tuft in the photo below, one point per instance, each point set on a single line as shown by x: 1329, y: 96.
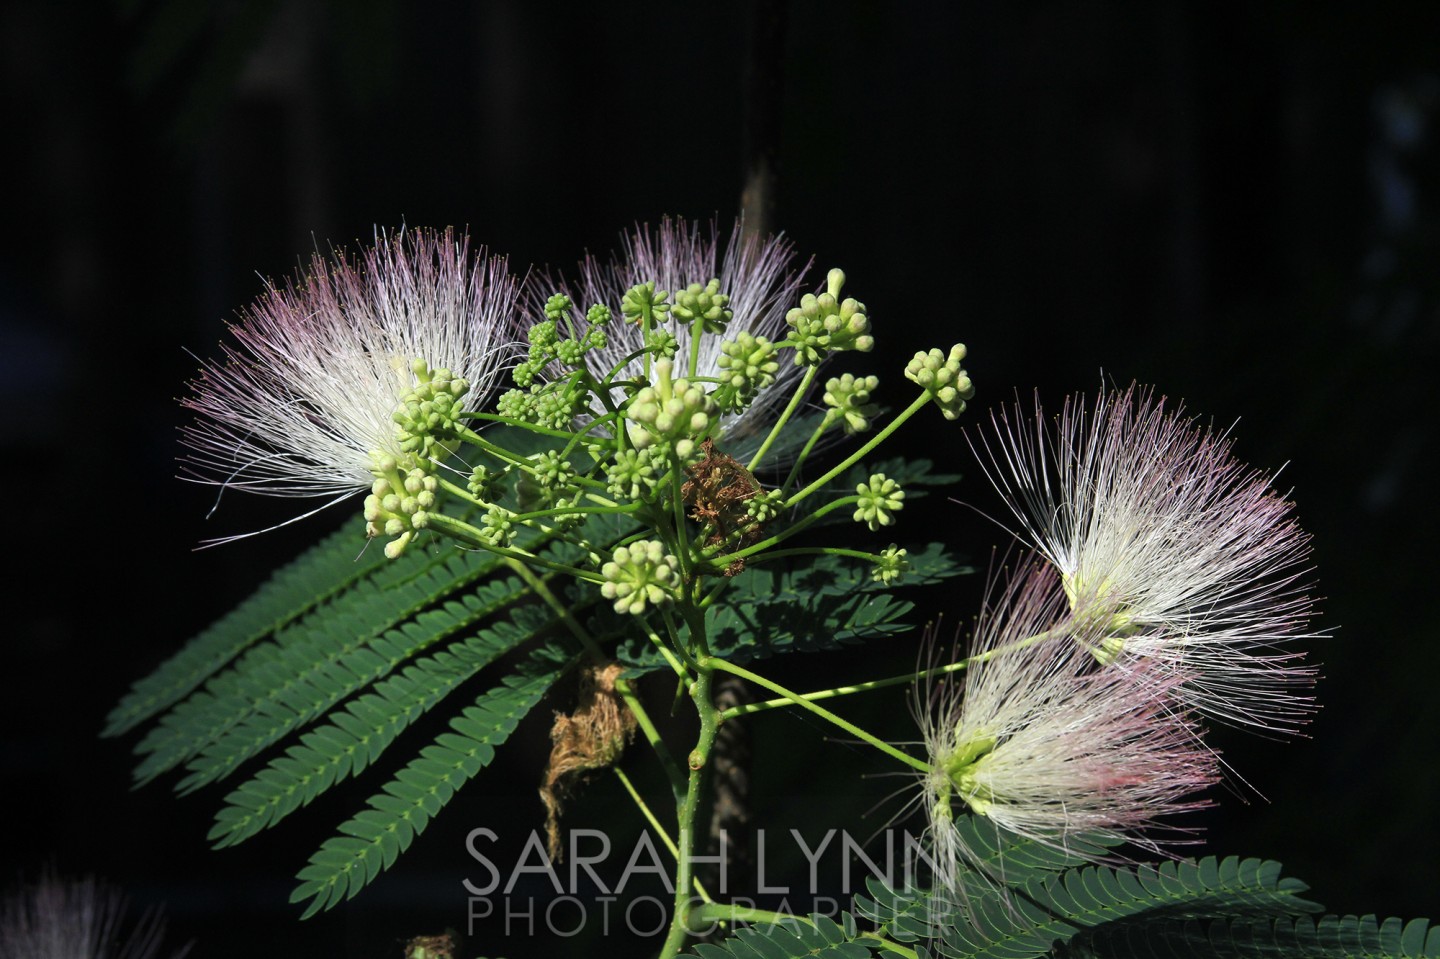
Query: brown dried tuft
x: 590, y: 738
x: 431, y: 947
x: 716, y: 492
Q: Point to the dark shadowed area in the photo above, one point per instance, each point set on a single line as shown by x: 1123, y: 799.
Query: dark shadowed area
x: 1236, y: 203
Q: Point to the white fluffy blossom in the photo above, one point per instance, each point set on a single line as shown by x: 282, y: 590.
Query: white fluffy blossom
x: 1049, y: 744
x: 303, y: 400
x: 758, y: 275
x: 1186, y: 556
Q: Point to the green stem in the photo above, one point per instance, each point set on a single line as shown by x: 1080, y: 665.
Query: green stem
x: 825, y: 714
x: 720, y: 562
x: 800, y: 392
x: 748, y: 708
x: 685, y: 825
x: 659, y: 829
x: 863, y: 451
x: 703, y: 917
x: 514, y: 459
x: 697, y: 329
x: 521, y: 424
x: 622, y: 686
x: 818, y: 551
x: 645, y: 811
x: 469, y: 534
x: 805, y: 452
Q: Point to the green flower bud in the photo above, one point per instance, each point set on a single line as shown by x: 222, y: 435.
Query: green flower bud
x: 765, y: 507
x: 556, y: 306
x: 399, y: 505
x: 672, y: 411
x: 498, y: 527
x: 662, y: 344
x: 570, y: 352
x: 634, y: 474
x: 943, y: 378
x: 891, y: 565
x: 484, y: 483
x: 880, y: 500
x: 749, y: 365
x: 705, y: 303
x: 823, y: 324
x: 849, y: 401
x: 643, y: 300
x: 429, y: 414
x: 543, y: 336
x: 598, y: 315
x: 640, y: 574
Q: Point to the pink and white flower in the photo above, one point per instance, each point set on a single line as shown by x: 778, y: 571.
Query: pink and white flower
x: 1047, y: 743
x: 303, y: 401
x: 759, y: 275
x: 1187, y: 556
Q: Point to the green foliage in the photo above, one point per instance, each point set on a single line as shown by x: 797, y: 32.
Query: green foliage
x: 373, y: 838
x: 295, y: 589
x: 1036, y: 906
x: 1331, y: 937
x: 1213, y: 907
x: 307, y: 662
x: 356, y: 735
x: 816, y: 935
x: 831, y: 602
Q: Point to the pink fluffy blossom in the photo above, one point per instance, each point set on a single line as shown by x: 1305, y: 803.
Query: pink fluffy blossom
x: 1188, y: 556
x: 1048, y: 743
x: 760, y: 276
x: 303, y: 399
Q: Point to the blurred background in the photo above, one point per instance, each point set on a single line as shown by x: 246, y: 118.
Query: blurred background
x: 1237, y: 203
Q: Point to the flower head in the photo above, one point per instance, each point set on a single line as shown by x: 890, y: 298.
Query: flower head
x: 351, y: 364
x: 77, y: 919
x: 757, y: 280
x: 1049, y: 744
x: 1181, y: 554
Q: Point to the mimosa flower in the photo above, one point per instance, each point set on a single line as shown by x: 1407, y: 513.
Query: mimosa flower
x: 305, y: 401
x: 77, y: 919
x: 1047, y: 743
x: 1186, y: 556
x: 758, y: 276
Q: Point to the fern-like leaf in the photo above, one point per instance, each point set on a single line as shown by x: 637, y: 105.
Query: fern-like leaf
x: 817, y: 936
x: 317, y: 575
x: 321, y: 681
x: 1331, y: 937
x: 832, y: 602
x: 995, y: 924
x: 275, y: 671
x: 355, y: 735
x: 373, y: 838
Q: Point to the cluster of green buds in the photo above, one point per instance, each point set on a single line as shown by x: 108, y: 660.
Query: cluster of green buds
x: 642, y: 303
x: 823, y: 324
x: 880, y: 498
x: 429, y: 414
x: 748, y: 365
x: 645, y: 441
x: 634, y: 473
x: 640, y: 574
x: 849, y: 400
x: 891, y: 565
x: 673, y: 412
x: 703, y: 304
x: 398, y: 505
x: 943, y: 378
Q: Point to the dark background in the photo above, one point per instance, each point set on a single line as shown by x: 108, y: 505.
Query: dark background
x: 1236, y: 203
